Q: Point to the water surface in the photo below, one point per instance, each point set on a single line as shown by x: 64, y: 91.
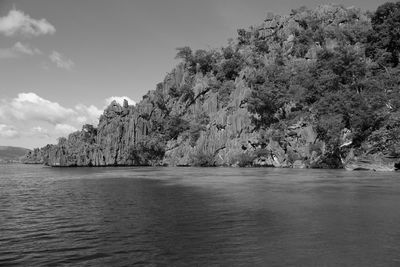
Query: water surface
x: 197, y: 216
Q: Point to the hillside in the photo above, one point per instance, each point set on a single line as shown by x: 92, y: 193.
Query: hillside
x: 313, y: 89
x: 12, y: 154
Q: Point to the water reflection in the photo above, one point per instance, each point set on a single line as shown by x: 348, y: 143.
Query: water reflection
x: 172, y: 216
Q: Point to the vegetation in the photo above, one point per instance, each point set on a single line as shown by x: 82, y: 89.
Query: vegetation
x: 148, y: 151
x: 202, y: 159
x: 335, y: 68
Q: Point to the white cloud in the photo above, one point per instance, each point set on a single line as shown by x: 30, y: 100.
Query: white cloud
x: 39, y: 129
x: 30, y: 106
x: 120, y: 100
x: 89, y: 114
x: 40, y: 132
x: 26, y: 49
x: 7, y: 131
x: 82, y: 119
x: 64, y: 129
x: 61, y: 61
x: 17, y: 22
x: 18, y: 50
x: 29, y: 116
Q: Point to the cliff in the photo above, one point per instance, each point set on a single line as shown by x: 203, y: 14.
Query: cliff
x: 299, y: 91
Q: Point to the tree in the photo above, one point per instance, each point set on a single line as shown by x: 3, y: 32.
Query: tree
x: 385, y: 34
x: 175, y: 126
x: 147, y: 150
x: 225, y: 91
x: 243, y: 37
x: 263, y: 103
x: 203, y: 60
x: 184, y: 53
x: 187, y: 93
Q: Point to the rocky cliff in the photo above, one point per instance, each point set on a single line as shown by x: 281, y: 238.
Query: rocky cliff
x: 271, y: 98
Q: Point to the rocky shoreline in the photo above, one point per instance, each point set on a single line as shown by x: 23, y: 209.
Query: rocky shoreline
x: 274, y: 98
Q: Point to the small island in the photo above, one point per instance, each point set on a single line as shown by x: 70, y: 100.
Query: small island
x: 312, y: 89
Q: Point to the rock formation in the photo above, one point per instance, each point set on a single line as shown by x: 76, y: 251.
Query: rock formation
x: 202, y: 113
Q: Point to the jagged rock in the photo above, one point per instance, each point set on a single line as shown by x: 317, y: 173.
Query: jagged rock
x: 376, y: 162
x: 38, y: 156
x: 298, y: 164
x: 263, y: 162
x: 228, y: 136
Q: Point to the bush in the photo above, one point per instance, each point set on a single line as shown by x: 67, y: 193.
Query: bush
x: 243, y: 159
x: 194, y: 133
x: 224, y: 92
x: 187, y: 93
x: 175, y: 126
x: 147, y: 151
x: 202, y: 159
x: 184, y: 53
x: 202, y: 118
x: 174, y: 92
x: 203, y: 60
x: 229, y: 69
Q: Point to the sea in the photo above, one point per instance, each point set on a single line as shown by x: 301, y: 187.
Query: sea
x: 161, y: 216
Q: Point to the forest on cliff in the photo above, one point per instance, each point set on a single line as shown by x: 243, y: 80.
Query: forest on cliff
x: 313, y: 89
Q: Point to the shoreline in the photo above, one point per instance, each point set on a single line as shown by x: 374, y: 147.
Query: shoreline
x: 346, y: 168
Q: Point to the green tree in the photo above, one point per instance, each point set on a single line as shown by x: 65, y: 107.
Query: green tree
x: 383, y: 42
x: 184, y: 53
x: 147, y: 150
x: 175, y: 126
x: 224, y: 92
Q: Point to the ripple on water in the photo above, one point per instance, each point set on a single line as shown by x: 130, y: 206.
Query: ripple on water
x: 172, y: 216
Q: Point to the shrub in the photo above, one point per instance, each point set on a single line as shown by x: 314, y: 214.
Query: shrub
x: 147, y: 150
x: 187, y: 93
x: 194, y: 133
x: 202, y: 159
x: 229, y: 69
x: 184, y: 53
x: 202, y: 118
x: 243, y: 159
x: 175, y: 126
x: 174, y: 92
x: 224, y: 92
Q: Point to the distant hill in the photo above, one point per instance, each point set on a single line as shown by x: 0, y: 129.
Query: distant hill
x: 10, y: 153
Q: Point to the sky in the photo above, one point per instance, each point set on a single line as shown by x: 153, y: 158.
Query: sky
x: 62, y: 62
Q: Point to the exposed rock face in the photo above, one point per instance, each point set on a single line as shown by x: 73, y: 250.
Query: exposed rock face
x: 37, y: 156
x: 380, y: 152
x: 375, y: 162
x: 229, y: 134
x: 199, y: 115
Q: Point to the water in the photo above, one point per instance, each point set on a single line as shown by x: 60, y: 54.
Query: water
x: 197, y: 217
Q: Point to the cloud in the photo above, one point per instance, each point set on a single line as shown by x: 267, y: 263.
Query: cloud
x: 64, y: 129
x: 26, y: 49
x: 7, y: 131
x: 120, y: 100
x: 39, y: 131
x: 17, y: 22
x: 29, y: 116
x: 18, y: 50
x: 61, y: 61
x: 87, y: 114
x: 30, y: 106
